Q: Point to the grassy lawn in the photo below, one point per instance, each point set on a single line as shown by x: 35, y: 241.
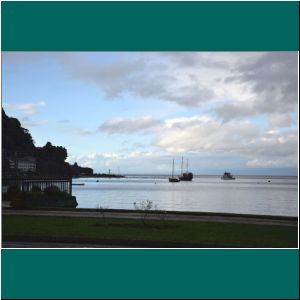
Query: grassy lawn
x: 231, y: 235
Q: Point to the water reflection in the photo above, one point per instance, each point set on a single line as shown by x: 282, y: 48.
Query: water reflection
x: 244, y: 195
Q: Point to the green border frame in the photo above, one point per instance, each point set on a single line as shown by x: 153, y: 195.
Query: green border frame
x: 135, y: 274
x: 150, y: 26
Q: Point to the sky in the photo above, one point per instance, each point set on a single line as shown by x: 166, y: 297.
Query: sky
x: 134, y: 112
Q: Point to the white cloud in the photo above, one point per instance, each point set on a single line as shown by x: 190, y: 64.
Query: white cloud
x: 246, y: 84
x: 236, y: 137
x: 270, y: 79
x: 27, y: 122
x: 199, y: 134
x: 280, y: 120
x: 128, y: 125
x: 202, y: 133
x: 25, y: 108
x: 127, y: 161
x: 275, y: 163
x: 151, y: 76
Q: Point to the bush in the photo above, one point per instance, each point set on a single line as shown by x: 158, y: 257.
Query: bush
x: 36, y: 189
x: 144, y: 206
x: 18, y: 201
x: 54, y: 191
x: 13, y: 190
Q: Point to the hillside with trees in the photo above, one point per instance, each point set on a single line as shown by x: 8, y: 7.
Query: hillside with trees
x: 78, y: 171
x: 17, y: 143
x: 50, y: 161
x: 15, y: 138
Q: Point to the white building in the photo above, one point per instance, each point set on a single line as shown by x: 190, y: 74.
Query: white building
x: 23, y: 164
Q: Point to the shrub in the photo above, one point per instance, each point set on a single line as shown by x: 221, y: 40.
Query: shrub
x: 102, y: 212
x: 54, y: 191
x: 36, y: 189
x: 144, y: 206
x: 18, y: 201
x: 13, y: 190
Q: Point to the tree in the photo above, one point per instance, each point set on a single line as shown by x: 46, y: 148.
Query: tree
x: 51, y: 161
x: 102, y: 211
x: 81, y: 171
x: 144, y: 206
x: 15, y: 138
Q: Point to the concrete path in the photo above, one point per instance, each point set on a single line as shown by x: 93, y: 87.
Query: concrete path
x: 229, y: 218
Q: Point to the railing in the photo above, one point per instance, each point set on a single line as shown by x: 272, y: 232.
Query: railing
x: 25, y: 185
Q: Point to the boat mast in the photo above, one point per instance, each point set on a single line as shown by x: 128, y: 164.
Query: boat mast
x: 187, y: 165
x: 173, y: 169
x: 181, y: 165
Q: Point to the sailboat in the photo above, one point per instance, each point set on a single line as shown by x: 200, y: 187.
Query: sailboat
x: 187, y: 176
x: 173, y: 179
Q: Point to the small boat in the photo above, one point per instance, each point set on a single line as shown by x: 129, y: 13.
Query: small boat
x: 186, y: 176
x: 173, y: 179
x: 77, y: 183
x: 227, y: 176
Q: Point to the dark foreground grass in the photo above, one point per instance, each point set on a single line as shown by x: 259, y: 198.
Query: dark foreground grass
x: 181, y: 232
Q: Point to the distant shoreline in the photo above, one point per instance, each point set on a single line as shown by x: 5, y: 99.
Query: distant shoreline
x: 195, y: 176
x: 100, y: 176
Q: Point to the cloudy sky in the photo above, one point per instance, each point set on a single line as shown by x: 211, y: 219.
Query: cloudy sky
x: 136, y: 111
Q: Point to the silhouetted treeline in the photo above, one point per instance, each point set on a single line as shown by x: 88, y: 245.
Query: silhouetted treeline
x: 78, y: 171
x: 15, y: 138
x: 17, y: 143
x: 50, y: 161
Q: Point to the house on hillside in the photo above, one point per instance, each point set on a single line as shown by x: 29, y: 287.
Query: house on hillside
x: 25, y: 164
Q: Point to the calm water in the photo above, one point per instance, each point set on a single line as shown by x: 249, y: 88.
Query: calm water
x: 250, y: 195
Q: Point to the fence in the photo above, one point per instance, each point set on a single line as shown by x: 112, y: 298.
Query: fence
x: 25, y: 185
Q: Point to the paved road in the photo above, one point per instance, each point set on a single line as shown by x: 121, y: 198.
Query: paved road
x: 174, y: 217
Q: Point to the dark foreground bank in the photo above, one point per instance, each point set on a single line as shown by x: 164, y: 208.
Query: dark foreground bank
x: 140, y: 232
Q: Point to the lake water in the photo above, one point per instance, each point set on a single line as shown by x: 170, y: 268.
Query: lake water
x: 248, y: 195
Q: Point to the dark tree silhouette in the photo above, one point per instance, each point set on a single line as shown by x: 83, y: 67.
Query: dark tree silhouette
x: 81, y: 171
x: 15, y: 138
x: 18, y: 143
x: 50, y: 160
